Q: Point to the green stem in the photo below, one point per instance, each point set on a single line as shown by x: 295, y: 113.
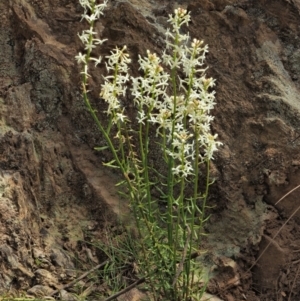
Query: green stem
x: 146, y: 169
x: 170, y: 219
x: 207, y: 184
x: 192, y: 221
x: 171, y: 160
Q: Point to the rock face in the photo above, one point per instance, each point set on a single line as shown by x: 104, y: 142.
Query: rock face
x: 53, y: 186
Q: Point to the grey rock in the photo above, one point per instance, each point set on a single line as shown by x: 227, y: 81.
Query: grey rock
x: 61, y: 259
x: 40, y: 291
x: 45, y: 277
x: 64, y: 295
x: 7, y: 254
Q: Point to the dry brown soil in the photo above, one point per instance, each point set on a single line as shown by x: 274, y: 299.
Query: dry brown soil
x: 55, y: 193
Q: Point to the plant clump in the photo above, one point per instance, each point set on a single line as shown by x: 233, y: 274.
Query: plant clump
x: 172, y: 95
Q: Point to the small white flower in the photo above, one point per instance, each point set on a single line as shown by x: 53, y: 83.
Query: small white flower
x: 98, y: 41
x: 212, y: 146
x: 80, y: 58
x: 85, y: 4
x: 183, y: 171
x: 196, y: 43
x: 90, y: 31
x: 121, y: 117
x: 141, y: 117
x: 84, y: 37
x: 85, y: 71
x: 97, y: 61
x: 89, y: 47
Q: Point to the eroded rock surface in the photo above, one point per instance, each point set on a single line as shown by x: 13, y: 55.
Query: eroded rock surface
x: 53, y: 186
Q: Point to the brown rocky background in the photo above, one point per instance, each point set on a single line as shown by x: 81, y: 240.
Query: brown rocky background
x: 55, y: 193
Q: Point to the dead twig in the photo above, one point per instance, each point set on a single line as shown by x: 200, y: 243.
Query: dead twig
x: 291, y: 216
x: 287, y: 194
x: 265, y: 249
x: 294, y: 282
x: 79, y: 278
x: 126, y: 289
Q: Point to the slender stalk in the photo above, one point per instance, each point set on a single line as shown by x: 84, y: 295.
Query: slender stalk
x: 171, y: 160
x: 146, y: 168
x: 207, y: 184
x: 171, y: 163
x: 192, y: 221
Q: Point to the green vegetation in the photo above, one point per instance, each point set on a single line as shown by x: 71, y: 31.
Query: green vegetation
x: 173, y: 99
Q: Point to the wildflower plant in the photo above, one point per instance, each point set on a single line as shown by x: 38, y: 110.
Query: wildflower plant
x: 173, y: 96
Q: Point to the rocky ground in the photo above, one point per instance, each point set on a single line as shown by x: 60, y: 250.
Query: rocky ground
x: 56, y: 195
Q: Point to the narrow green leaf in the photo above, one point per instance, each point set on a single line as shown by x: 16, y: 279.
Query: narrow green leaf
x: 110, y: 164
x: 101, y: 148
x: 120, y: 183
